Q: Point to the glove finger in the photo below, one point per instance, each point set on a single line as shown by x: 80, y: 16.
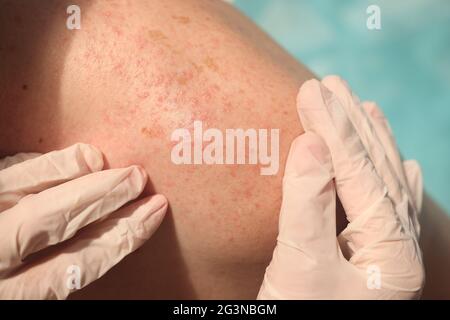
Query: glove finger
x: 308, y: 211
x: 17, y: 158
x: 46, y: 171
x: 89, y: 255
x: 357, y: 182
x: 368, y: 137
x: 307, y: 226
x: 362, y: 192
x: 384, y: 235
x: 415, y: 182
x: 55, y: 214
x: 384, y: 132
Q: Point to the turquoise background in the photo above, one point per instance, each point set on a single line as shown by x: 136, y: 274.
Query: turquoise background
x: 405, y: 66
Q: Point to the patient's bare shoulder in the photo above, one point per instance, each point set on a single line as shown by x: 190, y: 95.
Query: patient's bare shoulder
x: 134, y: 73
x: 164, y: 62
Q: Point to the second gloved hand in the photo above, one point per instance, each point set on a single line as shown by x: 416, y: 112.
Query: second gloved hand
x: 347, y: 149
x: 63, y: 222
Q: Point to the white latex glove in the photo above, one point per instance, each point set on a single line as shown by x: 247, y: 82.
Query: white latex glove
x: 44, y: 202
x: 348, y: 148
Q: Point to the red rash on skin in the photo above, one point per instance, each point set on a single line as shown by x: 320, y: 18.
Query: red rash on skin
x: 118, y: 32
x: 124, y: 83
x: 106, y: 14
x: 248, y: 193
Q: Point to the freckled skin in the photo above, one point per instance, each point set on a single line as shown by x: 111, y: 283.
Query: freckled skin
x: 135, y: 72
x: 182, y: 20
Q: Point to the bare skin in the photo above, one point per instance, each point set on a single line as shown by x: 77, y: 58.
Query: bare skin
x: 136, y: 71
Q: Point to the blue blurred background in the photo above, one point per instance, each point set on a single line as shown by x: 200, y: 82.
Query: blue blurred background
x: 405, y: 66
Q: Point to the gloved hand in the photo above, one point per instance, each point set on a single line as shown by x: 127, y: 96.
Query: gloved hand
x: 348, y: 148
x: 45, y: 201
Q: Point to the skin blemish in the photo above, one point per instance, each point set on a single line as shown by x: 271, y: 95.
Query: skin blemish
x: 25, y: 87
x: 198, y: 69
x: 117, y: 31
x: 213, y: 201
x: 155, y: 131
x: 143, y: 95
x: 182, y: 19
x: 248, y: 194
x: 40, y: 140
x: 106, y: 14
x: 160, y: 99
x: 184, y: 77
x: 156, y: 35
x: 211, y: 64
x: 228, y: 107
x: 159, y: 37
x: 141, y: 42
